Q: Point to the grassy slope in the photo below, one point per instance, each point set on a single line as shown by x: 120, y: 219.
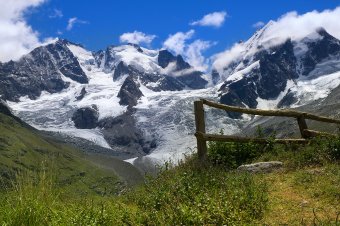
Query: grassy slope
x: 303, y: 196
x: 190, y: 194
x: 75, y: 191
x: 22, y: 149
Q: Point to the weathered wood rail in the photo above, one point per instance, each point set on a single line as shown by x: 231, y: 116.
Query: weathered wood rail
x: 202, y: 137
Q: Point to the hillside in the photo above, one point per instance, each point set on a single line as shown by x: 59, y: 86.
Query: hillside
x: 305, y: 191
x: 24, y: 151
x: 46, y: 182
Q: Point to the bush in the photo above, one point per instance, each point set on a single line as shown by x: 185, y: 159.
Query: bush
x: 319, y: 151
x: 233, y: 154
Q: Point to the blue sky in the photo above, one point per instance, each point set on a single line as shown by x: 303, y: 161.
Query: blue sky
x: 105, y: 20
x: 100, y: 23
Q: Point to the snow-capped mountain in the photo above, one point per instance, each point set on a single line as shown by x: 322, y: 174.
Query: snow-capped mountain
x: 266, y: 73
x: 140, y: 101
x: 125, y: 98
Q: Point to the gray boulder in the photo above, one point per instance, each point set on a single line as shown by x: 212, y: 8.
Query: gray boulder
x: 261, y: 167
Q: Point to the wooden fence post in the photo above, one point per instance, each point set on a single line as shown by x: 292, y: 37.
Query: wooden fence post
x: 302, y: 126
x: 200, y: 128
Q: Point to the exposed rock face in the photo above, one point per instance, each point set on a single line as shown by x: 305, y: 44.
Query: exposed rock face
x: 275, y: 70
x: 323, y: 48
x: 155, y: 82
x: 86, y: 117
x: 267, y: 81
x: 39, y: 71
x: 165, y: 58
x: 4, y: 109
x: 104, y: 58
x: 181, y: 64
x: 121, y: 70
x: 66, y: 62
x: 180, y: 77
x: 274, y: 67
x: 81, y: 94
x: 123, y: 133
x: 215, y: 76
x: 182, y: 71
x: 193, y: 80
x: 129, y: 93
x: 287, y: 100
x: 261, y: 167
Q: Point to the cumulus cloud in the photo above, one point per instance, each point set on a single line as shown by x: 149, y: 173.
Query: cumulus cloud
x: 290, y: 25
x: 192, y: 52
x: 74, y: 20
x: 215, y: 19
x: 56, y: 14
x: 136, y: 37
x: 16, y: 36
x: 177, y: 42
x: 258, y: 24
x: 223, y: 59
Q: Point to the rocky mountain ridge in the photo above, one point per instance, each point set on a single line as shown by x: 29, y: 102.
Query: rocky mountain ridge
x: 139, y: 101
x: 276, y: 73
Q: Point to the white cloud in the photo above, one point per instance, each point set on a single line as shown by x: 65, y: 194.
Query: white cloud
x: 136, y: 37
x: 290, y: 25
x: 74, y: 20
x: 177, y: 42
x: 298, y: 26
x: 56, y: 14
x: 215, y: 19
x: 192, y: 52
x: 16, y: 36
x: 194, y: 55
x: 221, y: 60
x: 258, y: 24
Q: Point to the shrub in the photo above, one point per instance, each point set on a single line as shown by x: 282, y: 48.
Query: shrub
x: 233, y: 154
x: 195, y: 195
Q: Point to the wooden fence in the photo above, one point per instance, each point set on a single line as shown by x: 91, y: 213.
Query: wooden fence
x: 203, y: 137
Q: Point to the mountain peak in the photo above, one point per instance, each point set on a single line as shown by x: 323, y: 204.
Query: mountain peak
x: 323, y: 33
x: 165, y: 57
x: 67, y: 42
x: 137, y: 47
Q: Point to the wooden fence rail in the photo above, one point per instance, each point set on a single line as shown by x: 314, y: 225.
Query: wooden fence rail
x: 301, y: 117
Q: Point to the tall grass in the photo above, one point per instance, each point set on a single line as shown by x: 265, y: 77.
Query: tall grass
x: 31, y: 199
x: 185, y: 195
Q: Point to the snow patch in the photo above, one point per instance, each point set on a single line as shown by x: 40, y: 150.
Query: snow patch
x: 314, y: 89
x: 241, y: 73
x: 271, y: 104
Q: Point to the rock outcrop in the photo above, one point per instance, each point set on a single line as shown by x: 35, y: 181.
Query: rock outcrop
x: 86, y: 117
